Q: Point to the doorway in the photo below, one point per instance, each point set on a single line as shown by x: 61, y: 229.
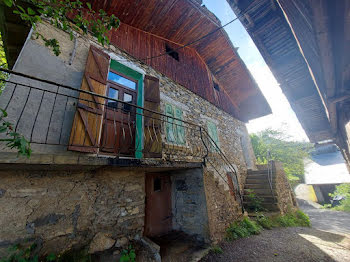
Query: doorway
x: 158, y: 219
x: 119, y: 124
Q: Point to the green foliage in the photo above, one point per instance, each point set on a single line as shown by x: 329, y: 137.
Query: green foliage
x: 342, y: 190
x: 3, y: 64
x: 264, y: 221
x: 128, y: 255
x: 74, y: 255
x: 291, y: 153
x: 291, y: 219
x: 216, y: 250
x: 255, y: 202
x: 17, y: 253
x: 82, y: 15
x: 241, y: 229
x: 13, y: 139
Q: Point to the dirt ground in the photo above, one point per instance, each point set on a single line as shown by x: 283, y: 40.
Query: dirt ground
x: 327, y: 240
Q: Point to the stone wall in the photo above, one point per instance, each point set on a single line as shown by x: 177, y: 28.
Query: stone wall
x: 189, y: 203
x: 285, y: 195
x: 223, y: 208
x: 63, y: 209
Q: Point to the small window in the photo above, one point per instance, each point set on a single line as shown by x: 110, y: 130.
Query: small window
x: 127, y: 98
x: 213, y: 133
x: 217, y: 93
x: 172, y: 52
x: 112, y: 93
x: 216, y: 87
x: 175, y: 131
x: 157, y: 184
x: 121, y: 80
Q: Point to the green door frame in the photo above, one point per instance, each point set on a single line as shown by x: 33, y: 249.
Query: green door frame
x: 139, y: 126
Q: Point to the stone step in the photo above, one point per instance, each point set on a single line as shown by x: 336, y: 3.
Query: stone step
x: 267, y: 206
x: 269, y: 199
x: 257, y: 172
x: 260, y: 191
x: 258, y: 180
x: 259, y: 176
x: 258, y: 186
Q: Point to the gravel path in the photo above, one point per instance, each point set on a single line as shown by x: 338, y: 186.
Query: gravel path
x: 327, y: 240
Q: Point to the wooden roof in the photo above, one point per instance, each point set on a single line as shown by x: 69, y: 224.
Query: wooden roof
x: 185, y: 21
x: 271, y: 32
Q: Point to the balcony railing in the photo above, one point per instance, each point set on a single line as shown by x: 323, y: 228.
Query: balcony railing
x: 55, y: 117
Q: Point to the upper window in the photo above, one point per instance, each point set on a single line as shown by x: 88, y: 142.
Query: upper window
x: 172, y: 52
x: 175, y: 131
x: 217, y: 92
x: 121, y: 80
x: 213, y: 133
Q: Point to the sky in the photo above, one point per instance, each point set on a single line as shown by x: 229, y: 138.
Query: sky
x: 283, y: 117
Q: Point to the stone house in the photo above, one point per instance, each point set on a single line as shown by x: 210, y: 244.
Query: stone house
x: 126, y: 143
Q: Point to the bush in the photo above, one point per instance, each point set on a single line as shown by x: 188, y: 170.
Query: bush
x: 216, y: 250
x: 254, y: 201
x: 241, y: 229
x: 342, y: 190
x: 294, y: 219
x: 265, y: 221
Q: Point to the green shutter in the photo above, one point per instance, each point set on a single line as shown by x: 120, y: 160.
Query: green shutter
x: 175, y: 132
x: 169, y: 124
x: 213, y: 133
x: 180, y: 131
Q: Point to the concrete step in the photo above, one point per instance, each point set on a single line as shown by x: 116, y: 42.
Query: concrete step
x: 257, y: 172
x: 258, y: 186
x: 266, y: 199
x: 260, y: 191
x: 258, y: 180
x: 267, y: 206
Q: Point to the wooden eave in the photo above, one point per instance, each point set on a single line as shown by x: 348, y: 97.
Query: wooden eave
x: 271, y: 31
x: 185, y: 21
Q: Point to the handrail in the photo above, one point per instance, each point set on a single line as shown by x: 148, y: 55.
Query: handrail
x: 204, y: 135
x: 270, y: 171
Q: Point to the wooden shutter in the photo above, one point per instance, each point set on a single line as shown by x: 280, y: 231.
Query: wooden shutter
x: 152, y: 124
x: 87, y: 124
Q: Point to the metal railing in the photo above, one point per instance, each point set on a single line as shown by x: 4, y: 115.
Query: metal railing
x: 50, y: 114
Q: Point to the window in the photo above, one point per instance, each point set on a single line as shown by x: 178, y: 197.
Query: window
x: 157, y: 184
x: 172, y: 52
x: 113, y: 93
x: 217, y: 93
x: 213, y: 133
x: 175, y: 132
x: 121, y: 80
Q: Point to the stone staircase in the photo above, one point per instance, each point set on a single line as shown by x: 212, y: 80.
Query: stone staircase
x: 258, y: 183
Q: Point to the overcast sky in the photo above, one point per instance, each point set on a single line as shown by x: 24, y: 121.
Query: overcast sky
x: 282, y: 117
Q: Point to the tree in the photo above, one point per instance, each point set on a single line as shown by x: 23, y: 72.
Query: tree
x: 291, y: 153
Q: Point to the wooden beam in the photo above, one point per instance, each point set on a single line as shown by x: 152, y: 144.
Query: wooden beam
x: 339, y: 98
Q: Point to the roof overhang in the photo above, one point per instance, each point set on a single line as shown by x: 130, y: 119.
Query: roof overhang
x: 186, y: 21
x: 271, y: 31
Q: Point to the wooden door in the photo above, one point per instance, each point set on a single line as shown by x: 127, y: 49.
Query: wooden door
x: 86, y: 128
x: 119, y: 124
x: 158, y: 205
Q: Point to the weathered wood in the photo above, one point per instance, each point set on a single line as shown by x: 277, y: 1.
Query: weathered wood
x: 152, y: 124
x: 86, y: 129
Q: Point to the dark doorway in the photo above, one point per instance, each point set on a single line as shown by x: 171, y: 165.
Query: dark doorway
x: 118, y: 133
x: 158, y: 205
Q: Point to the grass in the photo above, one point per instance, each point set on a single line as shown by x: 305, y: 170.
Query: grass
x: 291, y: 219
x: 216, y: 250
x: 241, y: 229
x: 247, y: 227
